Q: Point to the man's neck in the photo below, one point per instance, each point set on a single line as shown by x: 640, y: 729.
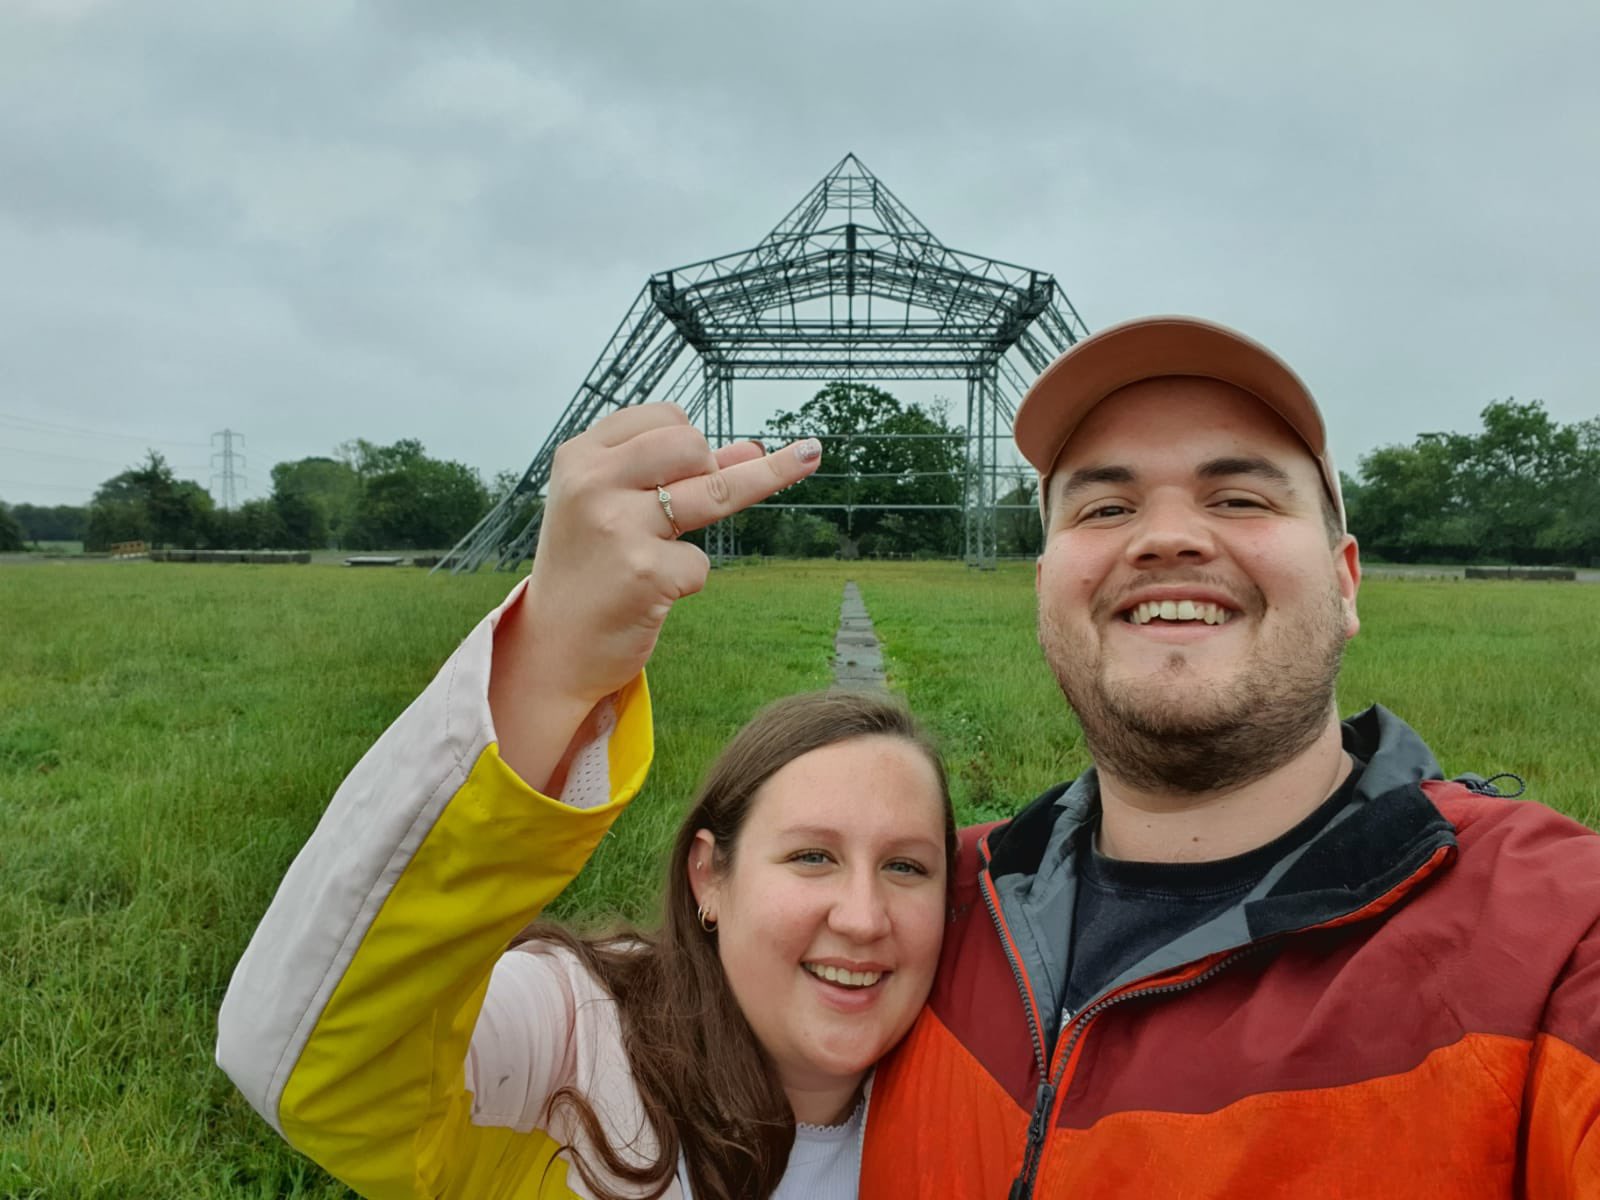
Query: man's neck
x: 1153, y: 826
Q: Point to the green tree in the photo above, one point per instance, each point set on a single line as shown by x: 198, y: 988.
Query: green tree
x: 369, y: 459
x: 148, y: 503
x: 409, y: 501
x: 11, y: 533
x: 1572, y: 532
x: 52, y: 523
x: 861, y: 469
x: 316, y: 499
x: 1517, y: 466
x: 1018, y: 530
x: 1412, y: 501
x: 524, y: 507
x: 116, y: 520
x: 1526, y: 489
x: 302, y: 520
x: 259, y: 526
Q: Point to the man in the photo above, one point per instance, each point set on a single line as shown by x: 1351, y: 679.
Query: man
x: 1253, y: 952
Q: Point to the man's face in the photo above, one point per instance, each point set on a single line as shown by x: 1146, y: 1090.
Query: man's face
x: 1190, y: 603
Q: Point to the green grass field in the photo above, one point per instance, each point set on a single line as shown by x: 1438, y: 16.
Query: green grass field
x: 169, y: 734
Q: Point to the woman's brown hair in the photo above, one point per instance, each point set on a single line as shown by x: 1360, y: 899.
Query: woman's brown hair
x: 707, y: 1086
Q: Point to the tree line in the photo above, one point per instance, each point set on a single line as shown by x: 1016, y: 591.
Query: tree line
x: 369, y: 497
x: 1525, y: 489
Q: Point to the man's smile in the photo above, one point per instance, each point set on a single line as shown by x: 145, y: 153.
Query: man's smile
x: 1174, y: 611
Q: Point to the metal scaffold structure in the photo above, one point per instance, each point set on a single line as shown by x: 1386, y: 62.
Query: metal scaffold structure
x: 849, y: 285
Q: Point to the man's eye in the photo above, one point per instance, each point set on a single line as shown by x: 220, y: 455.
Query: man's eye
x: 1100, y: 511
x: 1240, y: 502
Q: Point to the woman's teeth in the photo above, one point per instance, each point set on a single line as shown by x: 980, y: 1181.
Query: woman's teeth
x: 844, y: 978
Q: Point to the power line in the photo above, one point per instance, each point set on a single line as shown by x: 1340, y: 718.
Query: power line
x: 50, y: 487
x: 33, y: 425
x: 99, y: 462
x: 229, y: 475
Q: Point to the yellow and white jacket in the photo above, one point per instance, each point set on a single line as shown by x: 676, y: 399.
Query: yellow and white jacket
x: 375, y: 1019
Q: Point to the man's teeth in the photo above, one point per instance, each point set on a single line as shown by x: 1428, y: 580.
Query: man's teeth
x: 841, y: 976
x: 1179, y: 610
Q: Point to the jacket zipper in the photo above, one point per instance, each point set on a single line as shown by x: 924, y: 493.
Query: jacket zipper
x: 861, y: 1134
x: 1039, y: 1126
x: 1044, y: 1099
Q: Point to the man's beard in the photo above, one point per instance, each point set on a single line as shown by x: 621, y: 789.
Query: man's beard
x: 1213, y: 736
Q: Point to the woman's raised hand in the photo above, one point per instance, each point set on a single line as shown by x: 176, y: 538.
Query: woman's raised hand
x: 609, y: 565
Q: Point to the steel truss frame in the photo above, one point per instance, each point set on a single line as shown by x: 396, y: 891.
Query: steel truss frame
x: 849, y: 285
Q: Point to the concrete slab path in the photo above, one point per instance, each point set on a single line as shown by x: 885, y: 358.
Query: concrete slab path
x: 857, y: 657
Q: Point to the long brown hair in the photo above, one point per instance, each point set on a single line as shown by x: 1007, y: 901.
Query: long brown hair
x: 707, y: 1086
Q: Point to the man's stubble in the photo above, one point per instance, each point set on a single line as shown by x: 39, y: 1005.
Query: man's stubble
x: 1173, y: 732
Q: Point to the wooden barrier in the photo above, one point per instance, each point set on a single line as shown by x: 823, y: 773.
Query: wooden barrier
x: 129, y: 549
x: 231, y: 556
x: 1560, y: 574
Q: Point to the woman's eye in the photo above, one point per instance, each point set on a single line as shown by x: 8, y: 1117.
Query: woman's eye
x: 810, y: 858
x: 904, y: 866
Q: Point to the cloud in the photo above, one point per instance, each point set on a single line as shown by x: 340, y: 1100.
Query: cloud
x: 314, y: 221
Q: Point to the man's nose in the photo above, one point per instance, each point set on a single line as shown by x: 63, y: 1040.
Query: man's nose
x: 859, y: 910
x: 1170, y: 530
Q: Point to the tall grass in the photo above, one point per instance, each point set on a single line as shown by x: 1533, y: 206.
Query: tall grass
x: 169, y: 735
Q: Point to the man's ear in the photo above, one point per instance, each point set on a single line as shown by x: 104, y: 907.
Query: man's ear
x: 702, y: 871
x: 1347, y: 566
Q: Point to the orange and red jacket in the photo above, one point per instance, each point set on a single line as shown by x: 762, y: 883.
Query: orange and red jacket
x: 1406, y: 1007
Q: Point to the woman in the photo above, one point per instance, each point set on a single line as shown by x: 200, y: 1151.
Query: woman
x: 377, y: 1020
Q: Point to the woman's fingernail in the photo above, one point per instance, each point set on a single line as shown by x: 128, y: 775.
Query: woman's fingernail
x: 809, y: 450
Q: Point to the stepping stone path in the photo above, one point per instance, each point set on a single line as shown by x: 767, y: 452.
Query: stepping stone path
x: 857, y: 657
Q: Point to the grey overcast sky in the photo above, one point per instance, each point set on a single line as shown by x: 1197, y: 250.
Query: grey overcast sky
x: 313, y: 221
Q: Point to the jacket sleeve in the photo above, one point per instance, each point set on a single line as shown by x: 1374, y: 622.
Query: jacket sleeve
x: 1563, y: 1106
x: 348, y: 1021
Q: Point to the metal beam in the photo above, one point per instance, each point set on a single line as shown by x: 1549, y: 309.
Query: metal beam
x: 848, y: 285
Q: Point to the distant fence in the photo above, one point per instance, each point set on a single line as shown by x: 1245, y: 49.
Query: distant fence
x: 1562, y: 574
x: 129, y: 549
x: 231, y: 556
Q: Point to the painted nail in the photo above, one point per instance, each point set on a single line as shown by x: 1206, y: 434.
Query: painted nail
x: 809, y: 450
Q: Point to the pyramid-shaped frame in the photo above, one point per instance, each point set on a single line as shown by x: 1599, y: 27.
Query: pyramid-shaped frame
x: 849, y: 285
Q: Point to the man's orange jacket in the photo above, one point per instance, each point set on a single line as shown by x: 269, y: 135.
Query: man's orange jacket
x: 1406, y: 1007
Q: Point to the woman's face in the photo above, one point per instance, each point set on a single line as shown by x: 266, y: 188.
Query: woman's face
x: 830, y: 918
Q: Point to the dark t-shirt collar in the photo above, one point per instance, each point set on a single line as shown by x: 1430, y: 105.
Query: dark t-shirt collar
x: 1220, y: 876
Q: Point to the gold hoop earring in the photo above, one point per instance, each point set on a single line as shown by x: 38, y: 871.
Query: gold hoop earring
x: 709, y: 925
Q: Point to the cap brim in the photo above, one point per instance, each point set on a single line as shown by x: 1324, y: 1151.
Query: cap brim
x: 1151, y: 348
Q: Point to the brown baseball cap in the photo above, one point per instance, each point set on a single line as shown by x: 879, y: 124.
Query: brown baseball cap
x: 1151, y: 348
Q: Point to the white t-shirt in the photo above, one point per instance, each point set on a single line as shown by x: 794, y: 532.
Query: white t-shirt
x: 825, y: 1163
